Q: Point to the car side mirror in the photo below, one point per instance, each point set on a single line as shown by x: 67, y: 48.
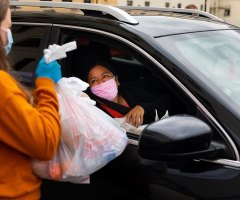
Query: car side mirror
x: 176, y: 138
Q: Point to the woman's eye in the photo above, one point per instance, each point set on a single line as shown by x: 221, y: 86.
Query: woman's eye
x: 106, y: 76
x: 93, y: 81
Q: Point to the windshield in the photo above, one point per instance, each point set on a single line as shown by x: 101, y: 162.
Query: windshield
x: 212, y: 56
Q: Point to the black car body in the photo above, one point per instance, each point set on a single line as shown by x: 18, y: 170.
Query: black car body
x: 189, y: 58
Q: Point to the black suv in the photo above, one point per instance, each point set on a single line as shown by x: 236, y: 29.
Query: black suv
x: 188, y: 57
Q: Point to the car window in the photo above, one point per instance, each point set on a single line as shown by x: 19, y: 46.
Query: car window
x: 130, y: 65
x: 214, y: 57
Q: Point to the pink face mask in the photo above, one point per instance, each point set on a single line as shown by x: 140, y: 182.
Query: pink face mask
x: 106, y: 90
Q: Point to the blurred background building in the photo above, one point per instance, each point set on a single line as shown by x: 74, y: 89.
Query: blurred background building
x: 106, y: 2
x: 228, y: 10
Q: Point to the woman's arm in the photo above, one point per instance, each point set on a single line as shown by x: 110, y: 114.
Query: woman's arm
x: 34, y: 131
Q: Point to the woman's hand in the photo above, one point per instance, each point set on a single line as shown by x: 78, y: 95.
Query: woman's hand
x: 51, y: 70
x: 135, y: 116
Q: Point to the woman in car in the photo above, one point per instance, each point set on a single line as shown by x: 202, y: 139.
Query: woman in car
x: 138, y: 106
x: 27, y: 132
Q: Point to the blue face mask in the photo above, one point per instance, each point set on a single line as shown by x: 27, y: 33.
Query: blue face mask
x: 8, y: 47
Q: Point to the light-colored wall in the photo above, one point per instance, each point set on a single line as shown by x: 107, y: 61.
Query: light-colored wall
x: 107, y: 2
x: 158, y: 3
x: 215, y: 7
x: 234, y: 6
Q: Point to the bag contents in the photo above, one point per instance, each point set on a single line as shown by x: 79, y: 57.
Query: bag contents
x: 89, y: 137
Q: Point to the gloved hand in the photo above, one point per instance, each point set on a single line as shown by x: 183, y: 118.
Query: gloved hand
x: 51, y: 70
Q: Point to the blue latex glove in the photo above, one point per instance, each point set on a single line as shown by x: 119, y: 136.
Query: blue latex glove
x: 51, y: 70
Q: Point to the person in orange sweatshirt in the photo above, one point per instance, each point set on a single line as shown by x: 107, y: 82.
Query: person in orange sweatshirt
x: 27, y: 131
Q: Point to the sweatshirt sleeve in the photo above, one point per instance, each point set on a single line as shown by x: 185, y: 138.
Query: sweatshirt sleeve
x: 34, y: 131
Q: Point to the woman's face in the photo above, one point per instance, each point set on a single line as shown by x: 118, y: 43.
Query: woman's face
x: 6, y: 24
x: 98, y: 75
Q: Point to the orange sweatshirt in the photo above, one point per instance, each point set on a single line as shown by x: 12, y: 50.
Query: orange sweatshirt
x: 26, y: 133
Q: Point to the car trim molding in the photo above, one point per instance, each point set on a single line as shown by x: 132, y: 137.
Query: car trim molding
x: 115, y: 12
x: 192, y: 12
x: 32, y: 23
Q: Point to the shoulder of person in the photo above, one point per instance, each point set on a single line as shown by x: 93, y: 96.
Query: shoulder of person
x: 6, y: 79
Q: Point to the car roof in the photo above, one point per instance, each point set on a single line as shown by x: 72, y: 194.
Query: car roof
x: 142, y: 19
x: 158, y: 26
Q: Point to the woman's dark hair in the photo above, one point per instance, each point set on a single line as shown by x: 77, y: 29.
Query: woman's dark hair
x: 4, y: 65
x: 102, y: 63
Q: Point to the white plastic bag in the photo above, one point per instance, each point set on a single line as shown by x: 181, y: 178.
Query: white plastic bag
x: 89, y: 137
